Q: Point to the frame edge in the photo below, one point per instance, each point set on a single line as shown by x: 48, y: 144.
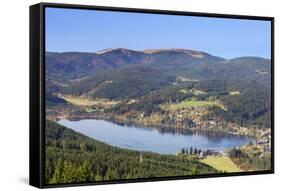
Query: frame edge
x: 36, y: 60
x: 35, y: 174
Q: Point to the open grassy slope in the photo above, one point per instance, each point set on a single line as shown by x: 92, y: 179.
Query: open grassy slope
x: 221, y: 163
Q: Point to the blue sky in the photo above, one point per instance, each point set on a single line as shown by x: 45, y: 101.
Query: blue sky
x: 90, y: 31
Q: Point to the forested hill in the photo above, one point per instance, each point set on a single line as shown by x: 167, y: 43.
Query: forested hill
x: 132, y: 78
x: 62, y: 67
x: 122, y: 83
x: 72, y: 157
x: 76, y: 64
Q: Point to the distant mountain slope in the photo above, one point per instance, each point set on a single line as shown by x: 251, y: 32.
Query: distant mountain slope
x: 249, y: 68
x: 70, y: 65
x: 64, y: 69
x: 132, y: 82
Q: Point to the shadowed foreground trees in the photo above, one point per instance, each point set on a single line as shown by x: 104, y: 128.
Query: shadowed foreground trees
x: 67, y: 172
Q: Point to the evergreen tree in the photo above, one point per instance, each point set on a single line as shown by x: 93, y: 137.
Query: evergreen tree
x: 183, y: 151
x: 58, y: 174
x: 98, y: 177
x: 110, y: 174
x: 69, y: 173
x: 85, y: 172
x: 187, y: 151
x: 195, y: 151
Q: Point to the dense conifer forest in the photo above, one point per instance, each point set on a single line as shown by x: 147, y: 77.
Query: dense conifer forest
x: 72, y: 157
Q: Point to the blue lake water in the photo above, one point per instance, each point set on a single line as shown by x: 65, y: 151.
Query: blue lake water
x: 153, y: 139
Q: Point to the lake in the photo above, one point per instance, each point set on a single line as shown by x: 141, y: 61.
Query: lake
x: 153, y: 139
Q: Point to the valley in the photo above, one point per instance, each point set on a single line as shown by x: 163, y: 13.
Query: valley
x: 170, y: 90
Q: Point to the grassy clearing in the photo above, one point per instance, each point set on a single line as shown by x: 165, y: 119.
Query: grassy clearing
x: 183, y: 91
x: 197, y: 92
x: 184, y: 79
x: 234, y: 93
x: 195, y: 103
x: 221, y: 163
x: 190, y: 103
x: 79, y: 101
x: 193, y: 91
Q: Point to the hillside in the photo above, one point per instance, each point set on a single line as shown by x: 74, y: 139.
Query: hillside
x: 156, y: 83
x: 71, y: 66
x: 242, y: 102
x: 132, y: 82
x: 72, y: 157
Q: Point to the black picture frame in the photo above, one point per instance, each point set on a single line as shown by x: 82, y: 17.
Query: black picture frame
x: 37, y: 90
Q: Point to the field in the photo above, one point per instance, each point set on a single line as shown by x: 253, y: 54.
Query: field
x: 79, y: 101
x: 234, y: 93
x: 190, y: 103
x: 221, y: 163
x: 193, y: 91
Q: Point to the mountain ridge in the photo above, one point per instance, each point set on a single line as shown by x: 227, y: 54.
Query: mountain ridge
x: 152, y: 51
x: 62, y: 67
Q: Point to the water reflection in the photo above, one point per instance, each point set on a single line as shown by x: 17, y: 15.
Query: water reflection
x: 160, y: 140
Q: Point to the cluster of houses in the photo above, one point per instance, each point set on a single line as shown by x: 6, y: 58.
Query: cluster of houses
x: 264, y: 143
x: 212, y: 153
x: 261, y: 71
x: 195, y: 119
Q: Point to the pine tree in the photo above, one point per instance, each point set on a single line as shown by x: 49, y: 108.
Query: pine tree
x: 85, y: 172
x: 69, y: 173
x: 58, y: 174
x: 110, y: 174
x: 83, y: 147
x: 183, y: 151
x: 187, y: 151
x: 98, y: 177
x: 195, y: 151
